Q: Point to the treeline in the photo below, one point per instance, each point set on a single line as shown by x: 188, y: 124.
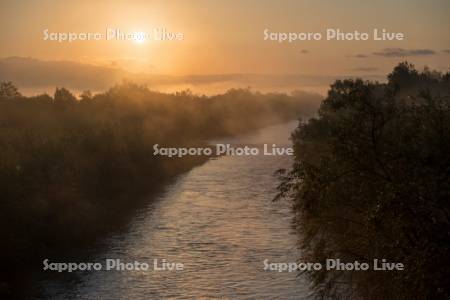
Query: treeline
x: 71, y: 167
x: 371, y: 179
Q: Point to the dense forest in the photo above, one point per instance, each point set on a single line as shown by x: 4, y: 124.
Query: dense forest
x: 371, y: 179
x: 71, y: 168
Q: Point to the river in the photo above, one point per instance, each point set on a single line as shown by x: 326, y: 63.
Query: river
x: 219, y: 221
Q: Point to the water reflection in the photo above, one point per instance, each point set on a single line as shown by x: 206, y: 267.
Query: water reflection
x: 219, y: 221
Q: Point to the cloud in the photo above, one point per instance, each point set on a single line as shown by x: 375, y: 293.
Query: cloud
x: 304, y: 51
x: 399, y: 52
x: 30, y: 72
x: 365, y: 69
x: 359, y: 56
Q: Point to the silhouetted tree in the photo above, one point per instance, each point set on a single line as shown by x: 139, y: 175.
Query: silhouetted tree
x: 8, y: 90
x: 371, y: 180
x: 86, y: 95
x: 403, y: 75
x: 64, y: 96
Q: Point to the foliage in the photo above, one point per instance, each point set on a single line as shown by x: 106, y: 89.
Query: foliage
x: 8, y: 90
x: 70, y: 169
x: 371, y: 179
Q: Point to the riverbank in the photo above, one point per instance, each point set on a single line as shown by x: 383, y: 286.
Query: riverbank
x: 21, y: 275
x: 370, y: 183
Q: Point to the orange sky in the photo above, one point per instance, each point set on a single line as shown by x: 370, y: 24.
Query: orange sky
x: 227, y: 37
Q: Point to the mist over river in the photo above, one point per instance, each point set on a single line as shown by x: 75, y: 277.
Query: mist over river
x: 218, y: 220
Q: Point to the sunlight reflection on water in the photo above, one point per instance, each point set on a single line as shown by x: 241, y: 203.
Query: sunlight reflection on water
x: 219, y: 221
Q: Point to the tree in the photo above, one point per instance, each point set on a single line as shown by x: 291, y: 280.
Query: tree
x: 64, y: 96
x: 8, y: 90
x: 86, y: 95
x: 403, y: 75
x: 371, y: 180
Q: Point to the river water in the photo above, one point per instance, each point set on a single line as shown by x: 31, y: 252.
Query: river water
x: 219, y: 221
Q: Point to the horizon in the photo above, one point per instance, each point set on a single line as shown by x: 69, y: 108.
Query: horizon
x: 180, y: 41
x: 26, y: 73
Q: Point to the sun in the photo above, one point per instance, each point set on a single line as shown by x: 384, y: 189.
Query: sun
x: 139, y: 37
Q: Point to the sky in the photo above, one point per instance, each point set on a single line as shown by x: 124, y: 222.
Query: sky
x: 224, y: 38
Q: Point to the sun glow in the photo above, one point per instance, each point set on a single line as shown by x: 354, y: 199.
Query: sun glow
x: 139, y: 37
